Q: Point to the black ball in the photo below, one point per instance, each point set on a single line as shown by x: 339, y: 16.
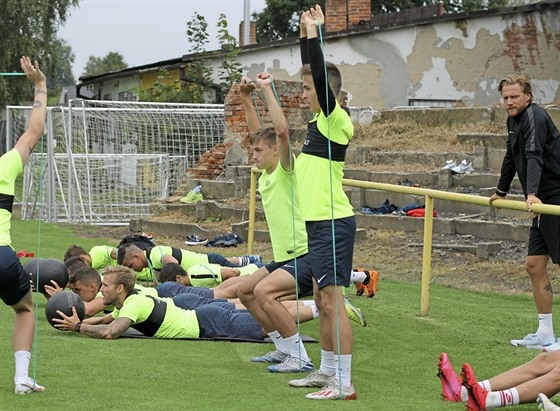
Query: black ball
x: 64, y: 301
x: 46, y: 269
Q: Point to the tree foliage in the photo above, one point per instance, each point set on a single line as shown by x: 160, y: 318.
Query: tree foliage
x: 62, y: 75
x: 230, y: 68
x: 113, y: 61
x: 280, y: 18
x: 29, y: 28
x: 165, y: 90
x: 197, y: 73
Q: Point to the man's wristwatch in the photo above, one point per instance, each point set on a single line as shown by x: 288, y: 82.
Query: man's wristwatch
x: 77, y: 326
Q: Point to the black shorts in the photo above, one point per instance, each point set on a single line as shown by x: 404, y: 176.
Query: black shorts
x: 301, y: 271
x: 320, y: 250
x: 14, y: 282
x: 544, y: 237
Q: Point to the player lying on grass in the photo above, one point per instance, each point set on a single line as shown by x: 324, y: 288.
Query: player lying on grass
x: 133, y: 257
x: 86, y: 282
x: 520, y: 385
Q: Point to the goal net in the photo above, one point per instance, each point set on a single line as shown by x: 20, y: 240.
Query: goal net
x: 105, y: 162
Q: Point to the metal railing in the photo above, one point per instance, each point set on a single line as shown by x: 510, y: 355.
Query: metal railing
x: 430, y: 195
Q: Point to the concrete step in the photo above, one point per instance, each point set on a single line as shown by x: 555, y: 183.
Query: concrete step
x: 478, y: 225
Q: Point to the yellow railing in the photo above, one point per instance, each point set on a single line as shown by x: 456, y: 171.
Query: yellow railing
x: 429, y: 195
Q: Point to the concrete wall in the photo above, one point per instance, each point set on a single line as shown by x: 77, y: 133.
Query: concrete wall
x: 457, y: 57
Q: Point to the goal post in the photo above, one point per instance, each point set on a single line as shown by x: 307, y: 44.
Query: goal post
x: 105, y: 162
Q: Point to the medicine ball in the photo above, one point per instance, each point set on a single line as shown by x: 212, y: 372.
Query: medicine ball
x: 46, y: 269
x: 64, y: 301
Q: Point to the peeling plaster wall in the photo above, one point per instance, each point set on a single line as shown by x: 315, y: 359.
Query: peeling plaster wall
x: 459, y: 59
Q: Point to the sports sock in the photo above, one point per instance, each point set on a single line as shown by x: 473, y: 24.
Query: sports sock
x: 308, y: 302
x: 357, y: 276
x: 22, y: 366
x: 315, y: 311
x: 497, y: 399
x: 297, y: 350
x: 344, y: 369
x: 545, y: 330
x: 278, y: 341
x: 328, y: 365
x: 248, y: 269
x: 485, y: 384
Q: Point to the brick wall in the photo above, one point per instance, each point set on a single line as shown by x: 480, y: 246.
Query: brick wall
x: 211, y: 163
x: 252, y: 33
x: 340, y: 15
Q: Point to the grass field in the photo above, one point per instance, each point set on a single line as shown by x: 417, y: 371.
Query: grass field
x: 394, y: 361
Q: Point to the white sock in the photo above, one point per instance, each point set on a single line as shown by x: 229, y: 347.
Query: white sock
x: 485, y: 384
x: 297, y: 350
x: 545, y: 330
x: 315, y: 311
x: 497, y: 399
x: 22, y: 366
x: 308, y: 302
x: 328, y: 365
x: 278, y: 341
x: 357, y: 276
x: 344, y: 369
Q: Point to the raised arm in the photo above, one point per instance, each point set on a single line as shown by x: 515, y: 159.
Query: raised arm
x: 264, y: 80
x: 303, y: 39
x: 314, y: 18
x: 246, y: 88
x: 36, y: 127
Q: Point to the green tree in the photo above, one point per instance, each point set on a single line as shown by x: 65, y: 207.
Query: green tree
x: 230, y: 67
x: 165, y: 90
x: 113, y: 61
x: 62, y: 76
x: 280, y: 18
x: 29, y: 28
x: 198, y: 74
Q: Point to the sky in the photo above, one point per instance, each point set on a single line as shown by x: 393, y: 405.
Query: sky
x: 144, y: 31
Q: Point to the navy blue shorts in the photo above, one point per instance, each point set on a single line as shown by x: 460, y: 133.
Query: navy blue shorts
x: 320, y: 250
x: 171, y: 289
x: 14, y: 282
x: 301, y: 271
x: 191, y: 301
x: 544, y: 237
x: 216, y: 322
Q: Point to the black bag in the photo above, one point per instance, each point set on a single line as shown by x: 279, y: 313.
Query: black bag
x: 141, y: 241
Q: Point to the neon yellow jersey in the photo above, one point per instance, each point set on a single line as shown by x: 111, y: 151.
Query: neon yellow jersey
x: 101, y: 256
x: 177, y: 323
x: 10, y: 167
x: 313, y: 171
x: 283, y: 214
x: 188, y: 258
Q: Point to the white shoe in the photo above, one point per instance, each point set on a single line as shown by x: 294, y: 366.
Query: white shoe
x: 463, y: 168
x: 545, y: 404
x: 449, y: 164
x: 530, y: 341
x: 333, y: 391
x: 316, y: 379
x: 28, y: 387
x: 551, y: 347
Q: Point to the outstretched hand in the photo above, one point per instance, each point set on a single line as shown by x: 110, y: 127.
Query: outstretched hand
x: 66, y: 323
x: 32, y: 71
x: 51, y: 290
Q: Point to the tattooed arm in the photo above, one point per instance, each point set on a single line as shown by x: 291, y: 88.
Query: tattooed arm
x: 109, y: 331
x: 35, y: 129
x: 108, y: 328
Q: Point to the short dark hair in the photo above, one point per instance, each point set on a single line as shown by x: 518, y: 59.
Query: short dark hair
x: 333, y: 75
x: 169, y: 271
x: 86, y: 275
x: 266, y: 134
x: 74, y: 251
x: 125, y: 251
x: 75, y: 263
x: 520, y: 79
